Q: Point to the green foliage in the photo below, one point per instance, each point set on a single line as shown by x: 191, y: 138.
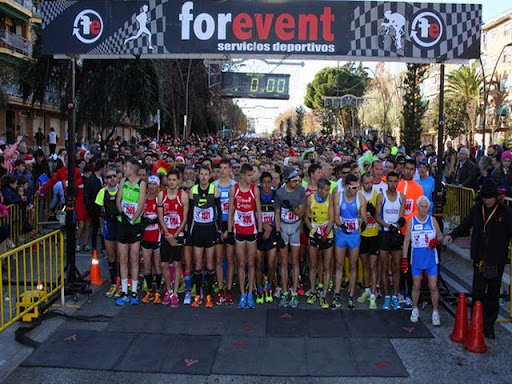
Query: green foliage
x: 289, y: 125
x: 414, y: 107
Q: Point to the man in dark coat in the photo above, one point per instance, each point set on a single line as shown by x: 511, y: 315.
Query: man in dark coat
x: 466, y: 171
x: 492, y: 229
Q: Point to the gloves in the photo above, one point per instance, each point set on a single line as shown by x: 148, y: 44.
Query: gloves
x: 433, y: 243
x: 370, y: 209
x: 363, y: 225
x: 286, y: 204
x: 219, y: 235
x: 344, y: 229
x: 317, y: 235
x: 393, y: 229
x: 401, y: 222
x: 280, y: 241
x: 404, y: 265
x: 125, y: 219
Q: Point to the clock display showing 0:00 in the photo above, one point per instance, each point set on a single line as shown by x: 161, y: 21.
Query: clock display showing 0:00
x: 255, y: 85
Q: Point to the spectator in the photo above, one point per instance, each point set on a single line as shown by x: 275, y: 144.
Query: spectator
x: 39, y: 136
x: 20, y: 170
x: 502, y: 175
x: 466, y: 173
x: 52, y: 140
x: 9, y: 184
x: 450, y: 160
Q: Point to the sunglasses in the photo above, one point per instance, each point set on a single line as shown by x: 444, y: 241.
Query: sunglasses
x: 352, y: 186
x: 110, y: 176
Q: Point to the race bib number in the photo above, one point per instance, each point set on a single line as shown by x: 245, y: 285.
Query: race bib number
x: 409, y: 203
x: 319, y: 228
x: 225, y: 207
x: 267, y: 217
x: 173, y: 221
x: 244, y: 219
x: 351, y: 224
x: 420, y: 240
x: 203, y: 216
x: 288, y: 216
x: 129, y: 208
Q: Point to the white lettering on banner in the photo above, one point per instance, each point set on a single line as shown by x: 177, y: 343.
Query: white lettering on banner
x: 203, y: 216
x: 88, y: 26
x: 245, y: 26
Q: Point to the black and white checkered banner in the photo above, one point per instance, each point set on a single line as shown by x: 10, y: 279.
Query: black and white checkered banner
x: 414, y: 32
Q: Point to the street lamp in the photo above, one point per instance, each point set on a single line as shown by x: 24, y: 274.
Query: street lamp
x: 487, y: 89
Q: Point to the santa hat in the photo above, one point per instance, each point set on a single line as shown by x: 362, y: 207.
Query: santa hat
x: 180, y: 156
x: 336, y: 158
x: 84, y: 154
x: 29, y: 159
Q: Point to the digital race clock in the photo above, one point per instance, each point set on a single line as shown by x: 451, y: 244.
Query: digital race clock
x: 255, y: 85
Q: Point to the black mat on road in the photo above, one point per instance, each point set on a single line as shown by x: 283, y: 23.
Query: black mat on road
x: 400, y: 327
x: 326, y: 323
x: 192, y: 355
x: 286, y: 323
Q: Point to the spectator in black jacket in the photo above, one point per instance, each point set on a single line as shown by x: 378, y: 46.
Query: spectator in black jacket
x: 92, y: 186
x: 492, y: 229
x: 466, y: 171
x: 9, y: 185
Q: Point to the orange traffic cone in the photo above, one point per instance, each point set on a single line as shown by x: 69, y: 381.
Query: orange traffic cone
x: 460, y: 329
x: 475, y: 341
x: 95, y: 269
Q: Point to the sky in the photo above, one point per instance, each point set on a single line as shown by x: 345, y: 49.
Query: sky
x: 302, y: 72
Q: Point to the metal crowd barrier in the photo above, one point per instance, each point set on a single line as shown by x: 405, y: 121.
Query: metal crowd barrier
x: 31, y: 274
x: 459, y: 201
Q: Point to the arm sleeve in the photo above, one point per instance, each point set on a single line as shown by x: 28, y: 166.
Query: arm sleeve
x: 219, y: 212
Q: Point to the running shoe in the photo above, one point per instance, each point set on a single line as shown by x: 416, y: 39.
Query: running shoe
x: 250, y: 300
x: 415, y: 314
x: 345, y: 284
x: 260, y: 299
x: 408, y: 304
x: 134, y: 300
x: 308, y: 292
x: 373, y: 303
x: 220, y: 299
x: 324, y: 304
x: 124, y: 299
x: 387, y: 303
x: 360, y: 284
x: 395, y: 304
x: 197, y: 301
x: 401, y: 298
x: 188, y: 298
x: 312, y: 298
x: 269, y: 298
x: 167, y: 298
x: 119, y: 291
x: 320, y: 291
x: 336, y: 302
x: 436, y: 319
x: 331, y: 286
x: 378, y: 293
x: 278, y: 292
x: 181, y: 288
x: 294, y: 300
x: 112, y: 291
x: 300, y: 289
x: 209, y: 302
x: 86, y: 249
x: 228, y: 299
x: 175, y: 301
x: 243, y: 301
x: 157, y: 299
x: 149, y: 297
x: 284, y: 300
x: 144, y: 286
x: 365, y: 296
x: 77, y: 248
x: 350, y: 303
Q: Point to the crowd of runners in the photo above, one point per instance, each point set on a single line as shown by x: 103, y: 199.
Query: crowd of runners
x: 250, y: 221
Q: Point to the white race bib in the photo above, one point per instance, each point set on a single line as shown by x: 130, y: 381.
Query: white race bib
x: 288, y: 216
x: 173, y: 221
x: 203, y: 216
x: 244, y: 219
x: 129, y: 208
x: 351, y: 224
x: 267, y: 217
x: 409, y: 206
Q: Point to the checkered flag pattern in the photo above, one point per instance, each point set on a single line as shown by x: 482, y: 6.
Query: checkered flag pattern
x: 461, y: 30
x: 115, y: 44
x: 52, y: 9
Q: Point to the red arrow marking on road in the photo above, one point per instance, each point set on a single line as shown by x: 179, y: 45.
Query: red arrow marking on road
x: 382, y: 365
x: 286, y: 316
x: 139, y: 311
x: 248, y: 329
x: 190, y: 362
x: 71, y: 338
x: 409, y: 329
x: 240, y: 344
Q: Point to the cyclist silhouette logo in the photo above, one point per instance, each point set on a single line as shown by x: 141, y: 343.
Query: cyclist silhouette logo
x: 393, y: 28
x: 143, y: 19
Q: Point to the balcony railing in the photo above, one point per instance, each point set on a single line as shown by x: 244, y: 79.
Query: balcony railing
x: 25, y: 4
x: 15, y: 42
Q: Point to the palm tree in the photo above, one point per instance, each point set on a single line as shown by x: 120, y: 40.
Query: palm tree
x: 464, y: 89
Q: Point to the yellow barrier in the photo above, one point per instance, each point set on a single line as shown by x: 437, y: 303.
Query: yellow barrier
x: 31, y: 274
x: 459, y: 201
